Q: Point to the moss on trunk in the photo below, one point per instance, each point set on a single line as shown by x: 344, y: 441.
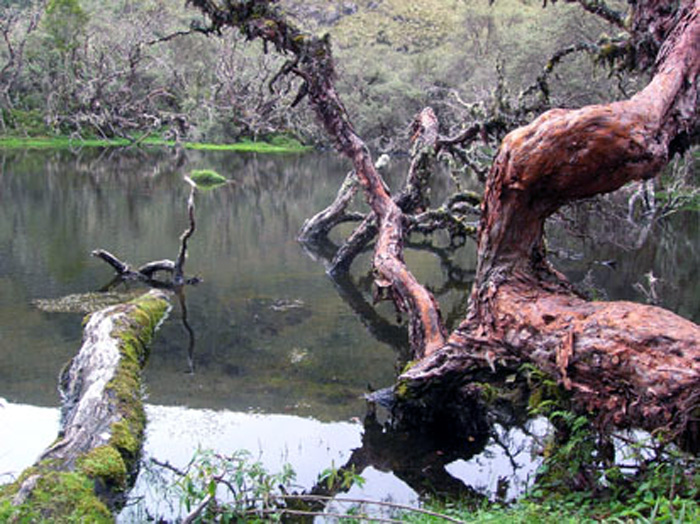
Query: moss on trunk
x: 85, y: 474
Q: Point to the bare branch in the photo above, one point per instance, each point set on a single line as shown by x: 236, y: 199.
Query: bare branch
x: 178, y: 274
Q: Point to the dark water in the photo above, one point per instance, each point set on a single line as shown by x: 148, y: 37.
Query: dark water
x: 273, y: 336
x: 251, y: 351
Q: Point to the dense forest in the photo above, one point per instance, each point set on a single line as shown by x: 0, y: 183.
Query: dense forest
x: 122, y: 69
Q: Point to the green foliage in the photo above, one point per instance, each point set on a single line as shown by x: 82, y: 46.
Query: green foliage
x: 286, y: 142
x: 580, y: 479
x: 665, y: 489
x: 30, y: 122
x: 244, y: 146
x: 65, y: 21
x: 394, y: 57
x: 234, y: 488
x: 685, y: 199
x: 340, y: 478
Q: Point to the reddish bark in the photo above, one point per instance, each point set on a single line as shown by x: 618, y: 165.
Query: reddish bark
x: 635, y: 364
x: 313, y: 63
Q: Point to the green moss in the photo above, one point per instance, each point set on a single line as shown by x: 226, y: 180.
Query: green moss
x: 135, y: 335
x: 206, y: 178
x: 489, y: 392
x: 401, y: 390
x: 57, y: 497
x: 126, y: 438
x: 408, y: 366
x: 104, y: 463
x: 61, y: 142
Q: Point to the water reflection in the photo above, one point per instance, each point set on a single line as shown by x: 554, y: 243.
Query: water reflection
x: 266, y: 331
x: 56, y: 208
x: 397, y: 466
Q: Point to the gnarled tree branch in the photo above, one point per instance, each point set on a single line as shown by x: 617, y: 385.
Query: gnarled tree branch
x: 260, y: 19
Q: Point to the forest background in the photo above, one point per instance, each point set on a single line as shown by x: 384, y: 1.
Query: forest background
x: 90, y: 69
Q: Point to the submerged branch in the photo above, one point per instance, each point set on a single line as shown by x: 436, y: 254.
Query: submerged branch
x: 261, y: 19
x: 178, y: 277
x: 146, y: 272
x: 317, y: 228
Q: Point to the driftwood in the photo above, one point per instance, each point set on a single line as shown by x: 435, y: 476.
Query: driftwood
x: 85, y: 473
x: 148, y: 273
x: 633, y: 365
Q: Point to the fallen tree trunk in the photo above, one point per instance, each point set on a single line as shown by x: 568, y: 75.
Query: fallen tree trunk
x: 85, y: 474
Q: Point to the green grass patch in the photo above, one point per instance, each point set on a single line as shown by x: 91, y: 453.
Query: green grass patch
x: 206, y: 178
x: 276, y: 145
x: 61, y: 142
x: 289, y: 146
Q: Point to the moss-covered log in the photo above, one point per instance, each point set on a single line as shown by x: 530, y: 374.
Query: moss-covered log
x: 85, y: 474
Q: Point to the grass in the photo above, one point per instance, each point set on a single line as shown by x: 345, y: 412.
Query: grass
x: 206, y: 178
x: 571, y: 510
x: 276, y: 145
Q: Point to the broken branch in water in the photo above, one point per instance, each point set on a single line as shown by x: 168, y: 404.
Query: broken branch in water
x: 146, y: 272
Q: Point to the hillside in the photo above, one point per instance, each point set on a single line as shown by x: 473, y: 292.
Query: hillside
x: 396, y: 56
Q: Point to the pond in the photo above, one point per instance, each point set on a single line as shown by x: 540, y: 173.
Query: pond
x: 274, y: 356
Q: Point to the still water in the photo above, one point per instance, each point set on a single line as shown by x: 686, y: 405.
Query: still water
x: 275, y: 357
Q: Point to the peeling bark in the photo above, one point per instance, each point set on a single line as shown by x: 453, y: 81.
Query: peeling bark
x: 634, y: 365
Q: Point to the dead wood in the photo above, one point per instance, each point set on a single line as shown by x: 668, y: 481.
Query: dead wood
x: 148, y: 272
x: 102, y: 417
x: 317, y: 228
x: 312, y: 63
x: 412, y: 198
x: 178, y: 272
